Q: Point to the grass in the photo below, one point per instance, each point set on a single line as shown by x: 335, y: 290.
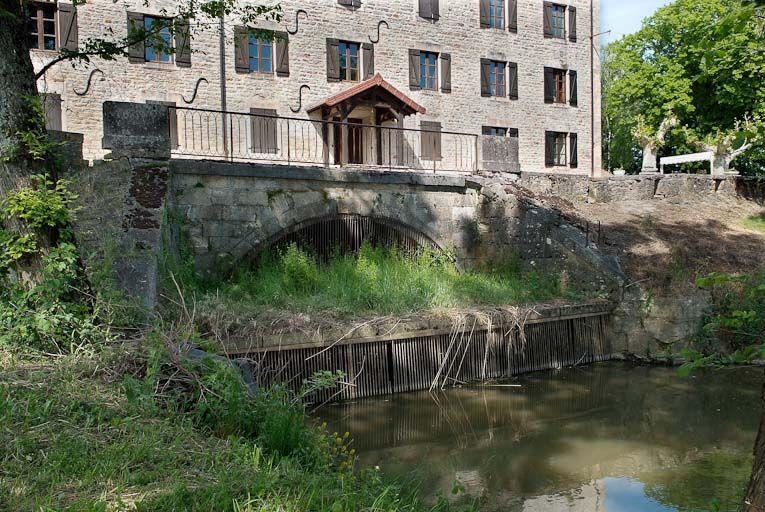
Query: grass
x: 755, y: 223
x: 74, y: 437
x: 378, y: 281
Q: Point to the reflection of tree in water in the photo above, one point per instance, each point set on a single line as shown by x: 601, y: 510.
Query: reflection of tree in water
x: 687, y: 487
x: 561, y: 430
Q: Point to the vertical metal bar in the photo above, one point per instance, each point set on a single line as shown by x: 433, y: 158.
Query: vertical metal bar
x: 231, y: 133
x: 390, y: 158
x: 289, y: 153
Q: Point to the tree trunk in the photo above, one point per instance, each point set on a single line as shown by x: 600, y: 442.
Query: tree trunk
x: 17, y: 79
x: 18, y: 115
x: 755, y: 496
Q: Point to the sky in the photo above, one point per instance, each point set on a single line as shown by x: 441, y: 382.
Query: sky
x: 625, y: 16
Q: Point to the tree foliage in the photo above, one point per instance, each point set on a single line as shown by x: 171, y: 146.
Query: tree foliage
x: 703, y: 61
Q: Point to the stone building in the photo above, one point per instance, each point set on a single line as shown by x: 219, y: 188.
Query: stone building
x: 441, y: 84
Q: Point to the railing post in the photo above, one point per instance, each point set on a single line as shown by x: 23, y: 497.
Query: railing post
x: 231, y: 135
x: 289, y: 154
x: 390, y: 158
x: 433, y: 153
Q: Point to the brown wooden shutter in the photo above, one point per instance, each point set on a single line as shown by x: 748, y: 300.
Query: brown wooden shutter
x: 574, y: 150
x: 572, y: 88
x: 549, y: 148
x: 572, y: 23
x: 264, y: 130
x: 51, y: 104
x: 446, y: 72
x: 333, y: 60
x: 414, y: 70
x: 430, y: 140
x: 485, y: 71
x: 136, y: 51
x: 547, y: 19
x: 350, y: 3
x: 67, y: 23
x: 368, y: 60
x: 512, y: 15
x: 549, y: 85
x: 241, y: 50
x: 429, y: 9
x: 282, y: 43
x: 182, y: 43
x: 484, y: 8
x: 512, y: 80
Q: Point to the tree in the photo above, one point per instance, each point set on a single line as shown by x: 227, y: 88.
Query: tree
x: 701, y: 59
x: 651, y: 141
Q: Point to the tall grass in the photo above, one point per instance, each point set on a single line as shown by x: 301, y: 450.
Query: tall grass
x: 380, y: 281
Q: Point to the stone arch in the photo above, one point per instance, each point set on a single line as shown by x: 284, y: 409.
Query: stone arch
x: 346, y: 232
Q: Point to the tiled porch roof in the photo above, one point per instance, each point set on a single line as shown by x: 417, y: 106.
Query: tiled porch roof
x: 367, y: 85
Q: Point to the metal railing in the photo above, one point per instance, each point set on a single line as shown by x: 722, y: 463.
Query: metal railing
x: 249, y: 137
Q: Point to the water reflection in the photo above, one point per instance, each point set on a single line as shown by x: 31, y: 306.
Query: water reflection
x: 610, y: 438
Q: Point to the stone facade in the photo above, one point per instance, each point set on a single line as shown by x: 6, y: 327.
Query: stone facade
x: 457, y: 32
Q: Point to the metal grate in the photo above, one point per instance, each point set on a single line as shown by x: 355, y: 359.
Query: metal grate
x: 412, y: 364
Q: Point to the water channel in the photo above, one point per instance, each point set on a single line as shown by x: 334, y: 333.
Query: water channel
x: 610, y: 437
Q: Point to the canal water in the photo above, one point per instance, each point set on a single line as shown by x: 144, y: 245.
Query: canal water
x: 609, y: 437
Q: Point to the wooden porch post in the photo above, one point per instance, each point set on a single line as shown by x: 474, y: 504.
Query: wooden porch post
x: 378, y: 135
x: 344, y: 140
x: 325, y: 129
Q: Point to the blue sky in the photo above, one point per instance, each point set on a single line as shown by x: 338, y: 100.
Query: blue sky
x: 625, y: 16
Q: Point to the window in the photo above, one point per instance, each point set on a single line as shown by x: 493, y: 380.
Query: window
x: 560, y: 85
x: 555, y: 148
x: 496, y: 78
x: 429, y: 9
x: 157, y: 45
x: 494, y: 131
x: 42, y: 23
x: 497, y: 13
x: 349, y: 61
x: 558, y: 21
x: 428, y: 71
x: 260, y: 55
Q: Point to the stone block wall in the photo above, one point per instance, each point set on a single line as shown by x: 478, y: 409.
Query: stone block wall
x: 457, y: 32
x: 584, y: 189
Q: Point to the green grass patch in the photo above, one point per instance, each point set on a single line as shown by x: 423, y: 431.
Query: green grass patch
x: 104, y: 431
x: 378, y: 281
x: 755, y: 223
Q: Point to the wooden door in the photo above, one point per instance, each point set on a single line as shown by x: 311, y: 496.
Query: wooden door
x: 355, y: 141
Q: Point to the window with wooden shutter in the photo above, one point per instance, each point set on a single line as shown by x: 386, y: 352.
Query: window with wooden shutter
x: 573, y: 150
x: 135, y: 33
x: 512, y: 80
x: 67, y: 25
x: 368, y: 60
x: 555, y: 149
x: 446, y: 72
x: 497, y: 78
x: 560, y: 85
x: 43, y: 27
x: 497, y: 14
x: 485, y: 72
x: 429, y: 9
x: 172, y: 120
x: 430, y: 140
x: 333, y: 60
x: 572, y: 89
x: 572, y: 24
x: 182, y: 43
x: 282, y: 54
x: 263, y: 126
x: 51, y: 104
x: 494, y: 131
x: 348, y: 57
x: 512, y: 15
x: 414, y: 70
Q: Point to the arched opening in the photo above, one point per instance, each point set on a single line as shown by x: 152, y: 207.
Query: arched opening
x: 345, y: 233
